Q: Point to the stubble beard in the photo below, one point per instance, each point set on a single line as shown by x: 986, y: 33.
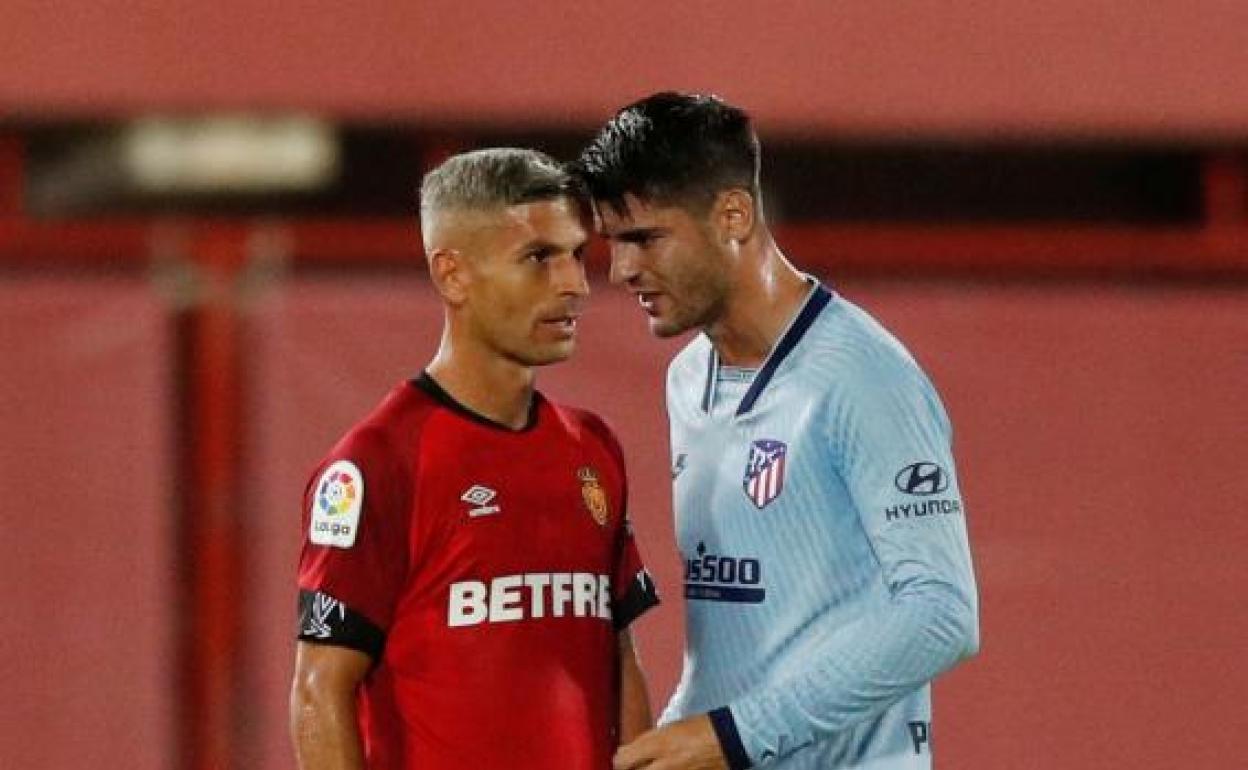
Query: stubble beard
x: 707, y: 298
x: 543, y: 354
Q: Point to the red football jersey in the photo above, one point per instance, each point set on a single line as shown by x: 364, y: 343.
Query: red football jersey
x: 486, y: 570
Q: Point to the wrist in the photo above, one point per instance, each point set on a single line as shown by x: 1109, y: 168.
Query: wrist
x: 725, y: 727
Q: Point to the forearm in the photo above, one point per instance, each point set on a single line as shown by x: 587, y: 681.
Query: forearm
x: 870, y: 665
x: 323, y: 724
x: 635, y: 714
x: 324, y: 730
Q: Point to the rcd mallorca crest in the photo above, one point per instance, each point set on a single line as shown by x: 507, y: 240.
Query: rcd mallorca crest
x: 764, y: 471
x: 594, y: 496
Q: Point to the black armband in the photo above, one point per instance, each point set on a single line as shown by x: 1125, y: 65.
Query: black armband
x: 642, y: 595
x: 325, y: 620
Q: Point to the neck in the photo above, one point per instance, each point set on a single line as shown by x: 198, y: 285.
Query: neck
x: 766, y: 294
x: 490, y: 385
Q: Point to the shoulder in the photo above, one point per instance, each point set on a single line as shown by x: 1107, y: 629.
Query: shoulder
x: 588, y: 426
x: 688, y: 367
x: 375, y: 440
x: 867, y: 374
x: 854, y: 351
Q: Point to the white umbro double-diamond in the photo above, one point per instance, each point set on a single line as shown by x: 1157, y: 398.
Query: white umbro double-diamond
x: 480, y: 498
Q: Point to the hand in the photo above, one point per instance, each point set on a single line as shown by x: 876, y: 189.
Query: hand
x: 689, y: 744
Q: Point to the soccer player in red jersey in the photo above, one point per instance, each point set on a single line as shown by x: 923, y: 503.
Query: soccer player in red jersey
x: 468, y: 573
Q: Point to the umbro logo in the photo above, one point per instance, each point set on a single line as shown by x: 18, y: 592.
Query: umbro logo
x: 480, y: 497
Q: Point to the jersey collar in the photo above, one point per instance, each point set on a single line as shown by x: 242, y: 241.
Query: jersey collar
x: 435, y: 391
x: 815, y: 302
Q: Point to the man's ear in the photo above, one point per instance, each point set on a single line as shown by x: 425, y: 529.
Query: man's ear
x: 734, y: 214
x: 449, y: 272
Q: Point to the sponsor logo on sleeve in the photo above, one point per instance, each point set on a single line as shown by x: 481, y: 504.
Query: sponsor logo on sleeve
x: 326, y: 612
x: 922, y: 479
x: 920, y: 735
x: 336, y: 505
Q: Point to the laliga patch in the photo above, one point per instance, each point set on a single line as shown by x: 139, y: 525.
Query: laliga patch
x: 336, y: 505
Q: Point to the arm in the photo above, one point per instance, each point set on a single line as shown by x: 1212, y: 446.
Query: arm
x: 874, y: 662
x: 352, y: 568
x: 323, y: 723
x: 690, y: 744
x: 924, y: 629
x: 635, y: 716
x: 926, y: 624
x: 886, y: 420
x: 632, y: 594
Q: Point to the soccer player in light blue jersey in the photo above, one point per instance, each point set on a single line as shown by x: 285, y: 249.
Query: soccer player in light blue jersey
x: 828, y: 574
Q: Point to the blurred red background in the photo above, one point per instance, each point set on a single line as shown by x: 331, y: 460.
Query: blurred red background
x: 174, y: 369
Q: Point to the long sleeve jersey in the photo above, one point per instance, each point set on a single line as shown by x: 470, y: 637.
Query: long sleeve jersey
x: 828, y: 573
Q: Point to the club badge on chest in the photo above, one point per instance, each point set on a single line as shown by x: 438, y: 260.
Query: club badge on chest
x: 764, y: 471
x: 594, y: 496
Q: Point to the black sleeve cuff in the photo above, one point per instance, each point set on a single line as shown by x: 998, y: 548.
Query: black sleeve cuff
x: 642, y: 595
x: 729, y: 739
x: 325, y: 620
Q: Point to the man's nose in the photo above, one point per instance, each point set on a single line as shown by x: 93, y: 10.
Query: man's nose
x: 570, y: 277
x: 625, y: 263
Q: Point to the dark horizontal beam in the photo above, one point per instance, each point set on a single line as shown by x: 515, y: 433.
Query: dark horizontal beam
x: 998, y: 250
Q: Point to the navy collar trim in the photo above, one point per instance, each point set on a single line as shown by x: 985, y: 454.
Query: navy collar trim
x: 708, y: 390
x: 815, y: 303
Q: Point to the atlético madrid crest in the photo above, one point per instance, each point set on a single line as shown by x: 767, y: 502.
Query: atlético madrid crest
x: 594, y: 495
x: 764, y: 471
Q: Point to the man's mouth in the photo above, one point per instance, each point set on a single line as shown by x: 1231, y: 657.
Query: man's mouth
x: 648, y: 301
x: 564, y: 323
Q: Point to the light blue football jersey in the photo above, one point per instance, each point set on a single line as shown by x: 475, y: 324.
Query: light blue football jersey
x: 828, y: 574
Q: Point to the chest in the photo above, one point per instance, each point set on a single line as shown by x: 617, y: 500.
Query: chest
x: 537, y: 503
x: 738, y: 480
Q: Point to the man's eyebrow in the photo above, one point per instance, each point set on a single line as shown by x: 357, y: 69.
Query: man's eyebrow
x: 546, y: 246
x: 636, y: 234
x: 537, y: 244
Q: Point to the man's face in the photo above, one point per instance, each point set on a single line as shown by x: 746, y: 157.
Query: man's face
x: 668, y: 257
x: 527, y: 284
